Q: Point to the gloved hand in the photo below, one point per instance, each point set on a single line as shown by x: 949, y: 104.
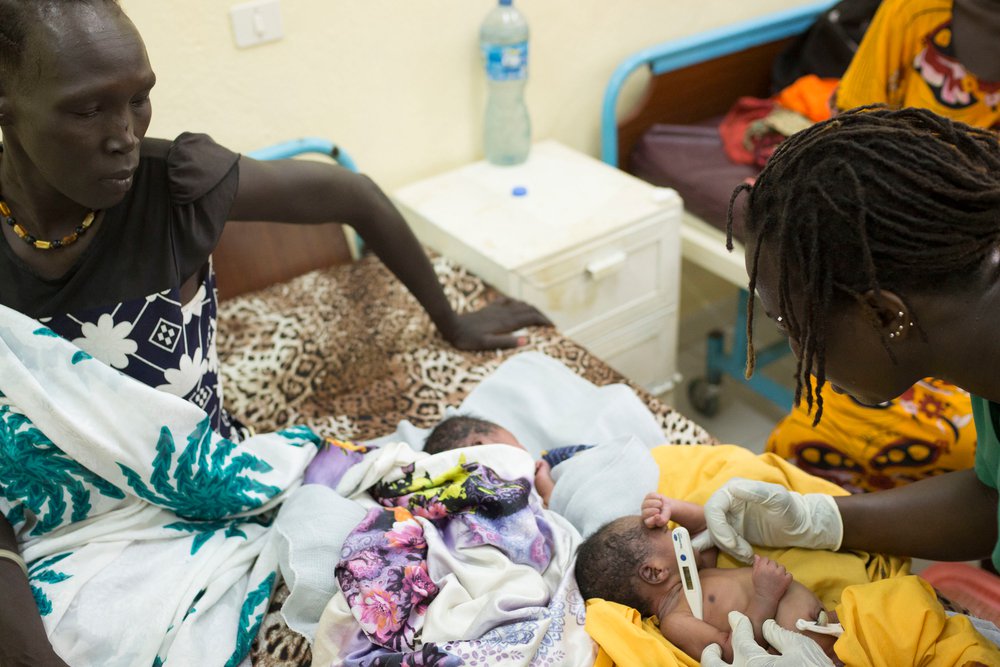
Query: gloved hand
x: 796, y: 650
x: 745, y: 512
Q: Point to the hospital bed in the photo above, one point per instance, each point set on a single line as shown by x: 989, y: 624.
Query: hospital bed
x: 346, y: 350
x: 311, y: 334
x: 670, y: 139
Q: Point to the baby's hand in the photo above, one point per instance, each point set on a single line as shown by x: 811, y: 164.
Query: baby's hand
x: 544, y: 483
x: 770, y: 579
x: 656, y: 510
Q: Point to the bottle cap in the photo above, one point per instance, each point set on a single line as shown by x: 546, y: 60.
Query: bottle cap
x: 519, y: 191
x: 506, y: 3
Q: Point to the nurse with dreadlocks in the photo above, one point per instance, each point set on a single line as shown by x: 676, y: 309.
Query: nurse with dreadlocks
x: 873, y: 243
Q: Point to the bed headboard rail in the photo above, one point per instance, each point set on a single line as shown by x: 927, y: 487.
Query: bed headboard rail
x: 699, y: 76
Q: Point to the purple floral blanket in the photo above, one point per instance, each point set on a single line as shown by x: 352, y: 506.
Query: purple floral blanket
x: 456, y: 563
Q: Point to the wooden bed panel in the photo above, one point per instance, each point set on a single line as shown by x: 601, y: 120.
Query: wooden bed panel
x: 254, y: 255
x: 698, y: 92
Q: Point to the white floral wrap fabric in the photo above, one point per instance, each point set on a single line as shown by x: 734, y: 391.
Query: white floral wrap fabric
x: 146, y: 533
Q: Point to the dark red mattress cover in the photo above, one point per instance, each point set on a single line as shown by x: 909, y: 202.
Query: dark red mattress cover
x: 690, y: 159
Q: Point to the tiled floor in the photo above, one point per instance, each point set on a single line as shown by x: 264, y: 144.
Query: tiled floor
x: 744, y: 417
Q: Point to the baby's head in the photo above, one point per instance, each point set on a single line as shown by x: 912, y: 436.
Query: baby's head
x: 622, y: 561
x: 467, y: 431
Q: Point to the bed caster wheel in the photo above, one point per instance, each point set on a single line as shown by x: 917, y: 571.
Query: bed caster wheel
x: 704, y: 396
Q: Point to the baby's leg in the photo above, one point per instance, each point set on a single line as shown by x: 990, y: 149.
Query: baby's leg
x: 770, y: 581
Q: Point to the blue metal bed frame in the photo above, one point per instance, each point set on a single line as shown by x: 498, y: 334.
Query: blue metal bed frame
x: 674, y: 55
x: 293, y: 147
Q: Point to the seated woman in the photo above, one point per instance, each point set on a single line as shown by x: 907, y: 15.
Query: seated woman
x: 107, y: 238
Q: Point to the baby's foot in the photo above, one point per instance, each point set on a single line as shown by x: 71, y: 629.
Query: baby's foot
x: 770, y: 579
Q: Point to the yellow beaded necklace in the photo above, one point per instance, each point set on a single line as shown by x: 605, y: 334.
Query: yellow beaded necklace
x: 54, y: 244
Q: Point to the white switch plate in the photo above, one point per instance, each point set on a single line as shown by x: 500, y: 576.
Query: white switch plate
x: 256, y: 22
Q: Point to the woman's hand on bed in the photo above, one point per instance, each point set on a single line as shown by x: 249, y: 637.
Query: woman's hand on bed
x: 489, y: 328
x: 794, y: 650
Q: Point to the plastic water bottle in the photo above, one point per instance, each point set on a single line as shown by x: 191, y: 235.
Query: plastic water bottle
x: 503, y: 39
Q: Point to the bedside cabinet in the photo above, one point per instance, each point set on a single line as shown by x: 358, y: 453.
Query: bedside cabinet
x: 597, y: 250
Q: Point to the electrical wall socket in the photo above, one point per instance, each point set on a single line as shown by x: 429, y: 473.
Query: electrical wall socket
x: 256, y: 22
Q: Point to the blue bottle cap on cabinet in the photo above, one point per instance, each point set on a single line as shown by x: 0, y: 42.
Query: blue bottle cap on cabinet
x: 519, y: 191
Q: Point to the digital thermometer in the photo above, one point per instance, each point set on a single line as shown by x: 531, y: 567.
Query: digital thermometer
x: 688, y: 570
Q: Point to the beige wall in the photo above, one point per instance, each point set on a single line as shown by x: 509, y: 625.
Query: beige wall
x: 398, y: 82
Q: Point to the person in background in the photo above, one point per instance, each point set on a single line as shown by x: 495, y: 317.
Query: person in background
x: 941, y: 55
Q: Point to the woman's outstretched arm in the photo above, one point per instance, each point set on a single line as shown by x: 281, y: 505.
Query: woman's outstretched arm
x: 949, y: 517
x: 299, y: 191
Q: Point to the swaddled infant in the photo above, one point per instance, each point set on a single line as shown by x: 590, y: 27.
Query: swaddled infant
x: 467, y: 431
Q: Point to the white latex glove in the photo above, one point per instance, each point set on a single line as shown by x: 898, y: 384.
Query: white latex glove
x: 796, y: 650
x: 745, y: 512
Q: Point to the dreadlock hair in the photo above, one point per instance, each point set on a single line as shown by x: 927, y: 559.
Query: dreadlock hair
x: 16, y: 20
x: 608, y: 560
x: 454, y: 433
x: 871, y: 199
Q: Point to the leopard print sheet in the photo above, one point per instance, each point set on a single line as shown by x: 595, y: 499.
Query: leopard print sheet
x: 348, y: 351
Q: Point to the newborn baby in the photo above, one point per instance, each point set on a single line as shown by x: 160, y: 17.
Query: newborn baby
x: 631, y: 561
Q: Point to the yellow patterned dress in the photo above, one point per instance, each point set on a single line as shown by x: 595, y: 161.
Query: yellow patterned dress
x: 906, y: 59
x: 927, y: 431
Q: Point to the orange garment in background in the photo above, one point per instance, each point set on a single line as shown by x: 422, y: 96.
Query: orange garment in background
x: 905, y: 60
x: 810, y: 96
x: 925, y: 432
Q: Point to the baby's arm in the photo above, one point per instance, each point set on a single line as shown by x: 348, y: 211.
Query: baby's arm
x: 770, y: 581
x: 658, y: 509
x: 543, y: 480
x: 691, y: 635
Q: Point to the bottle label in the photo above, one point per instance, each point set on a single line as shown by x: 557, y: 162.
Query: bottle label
x: 506, y: 62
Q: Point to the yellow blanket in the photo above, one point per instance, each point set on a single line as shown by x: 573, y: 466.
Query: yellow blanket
x: 693, y: 473
x: 900, y: 622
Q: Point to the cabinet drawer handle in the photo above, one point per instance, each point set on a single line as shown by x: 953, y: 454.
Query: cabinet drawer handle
x: 605, y: 266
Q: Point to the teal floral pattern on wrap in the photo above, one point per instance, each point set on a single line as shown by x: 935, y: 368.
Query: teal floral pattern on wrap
x: 36, y: 475
x: 43, y: 573
x: 205, y: 530
x: 111, y: 485
x: 204, y: 482
x: 251, y: 616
